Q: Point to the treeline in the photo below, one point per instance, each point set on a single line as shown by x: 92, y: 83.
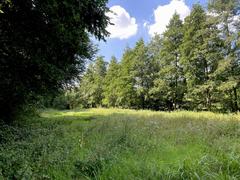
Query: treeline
x: 194, y: 65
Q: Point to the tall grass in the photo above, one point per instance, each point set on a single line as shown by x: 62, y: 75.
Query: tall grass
x: 122, y: 144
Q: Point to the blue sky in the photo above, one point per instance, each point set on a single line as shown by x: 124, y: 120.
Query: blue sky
x: 135, y: 19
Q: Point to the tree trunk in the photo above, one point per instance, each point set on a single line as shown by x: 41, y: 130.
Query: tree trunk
x: 235, y: 100
x: 231, y: 101
x: 143, y: 102
x: 208, y: 100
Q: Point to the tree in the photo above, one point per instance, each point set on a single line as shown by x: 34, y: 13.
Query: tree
x: 171, y: 81
x: 154, y: 49
x: 143, y: 73
x: 43, y: 46
x: 92, y: 84
x: 228, y: 73
x: 127, y: 91
x: 201, y: 51
x: 111, y: 87
x: 86, y: 92
x: 99, y: 76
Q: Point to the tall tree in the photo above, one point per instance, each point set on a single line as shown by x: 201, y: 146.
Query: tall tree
x: 91, y: 86
x: 228, y: 73
x: 171, y: 73
x: 127, y: 90
x: 98, y: 81
x: 154, y: 49
x: 143, y: 73
x: 43, y: 46
x: 111, y: 84
x: 201, y: 51
x: 85, y: 90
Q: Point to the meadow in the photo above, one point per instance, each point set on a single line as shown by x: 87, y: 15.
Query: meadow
x: 121, y: 144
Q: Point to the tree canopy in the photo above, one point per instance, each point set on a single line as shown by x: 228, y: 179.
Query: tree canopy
x: 44, y: 45
x: 193, y: 65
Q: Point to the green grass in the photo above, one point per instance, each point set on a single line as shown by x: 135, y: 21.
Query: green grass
x: 122, y: 144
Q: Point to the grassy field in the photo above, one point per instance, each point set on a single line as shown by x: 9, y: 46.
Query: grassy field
x: 121, y: 144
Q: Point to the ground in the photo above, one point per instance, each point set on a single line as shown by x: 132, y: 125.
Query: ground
x: 121, y: 144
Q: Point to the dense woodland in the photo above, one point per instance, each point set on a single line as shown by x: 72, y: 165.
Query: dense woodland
x: 45, y: 47
x: 194, y: 65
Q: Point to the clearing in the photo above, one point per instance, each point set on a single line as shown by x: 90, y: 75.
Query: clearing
x: 122, y: 144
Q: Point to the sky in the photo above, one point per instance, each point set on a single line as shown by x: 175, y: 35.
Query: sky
x: 135, y: 19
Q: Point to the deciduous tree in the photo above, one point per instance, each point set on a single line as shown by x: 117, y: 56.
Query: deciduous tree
x: 43, y: 46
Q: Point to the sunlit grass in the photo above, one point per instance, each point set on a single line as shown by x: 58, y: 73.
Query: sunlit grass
x: 123, y: 144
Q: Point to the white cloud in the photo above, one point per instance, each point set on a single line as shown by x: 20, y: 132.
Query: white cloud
x: 163, y: 14
x: 124, y: 26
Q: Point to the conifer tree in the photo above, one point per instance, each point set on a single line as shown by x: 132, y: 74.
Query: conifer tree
x: 171, y: 75
x: 91, y: 87
x: 228, y: 72
x: 201, y: 51
x: 111, y: 86
x: 127, y: 90
x: 154, y: 48
x: 143, y: 69
x: 85, y: 90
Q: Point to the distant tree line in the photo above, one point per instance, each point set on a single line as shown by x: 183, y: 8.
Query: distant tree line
x: 194, y: 65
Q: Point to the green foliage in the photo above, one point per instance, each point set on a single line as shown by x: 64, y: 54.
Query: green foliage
x: 143, y: 73
x: 64, y: 100
x: 171, y: 74
x: 111, y: 82
x: 194, y: 65
x: 91, y: 87
x: 127, y: 91
x: 44, y: 45
x: 228, y: 71
x: 201, y: 53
